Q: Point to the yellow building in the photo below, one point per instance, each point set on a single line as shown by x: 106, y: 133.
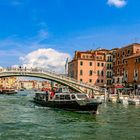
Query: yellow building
x: 8, y: 82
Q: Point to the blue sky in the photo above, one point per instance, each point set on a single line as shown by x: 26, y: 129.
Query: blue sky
x: 65, y: 26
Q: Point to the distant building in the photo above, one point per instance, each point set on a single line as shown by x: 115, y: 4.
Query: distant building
x: 8, y: 82
x: 27, y: 84
x: 34, y: 84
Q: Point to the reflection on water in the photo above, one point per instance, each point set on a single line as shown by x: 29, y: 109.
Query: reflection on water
x: 21, y: 119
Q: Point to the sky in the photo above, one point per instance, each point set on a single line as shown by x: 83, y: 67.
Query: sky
x: 44, y: 33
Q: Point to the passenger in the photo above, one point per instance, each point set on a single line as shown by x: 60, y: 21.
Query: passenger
x: 52, y: 93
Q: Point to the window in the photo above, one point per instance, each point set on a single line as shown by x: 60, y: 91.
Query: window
x: 81, y: 72
x: 81, y: 96
x: 67, y: 97
x: 102, y: 81
x: 98, y: 72
x: 73, y: 96
x: 62, y: 97
x: 90, y: 80
x: 107, y: 66
x: 90, y: 63
x: 81, y: 80
x: 102, y: 73
x: 118, y: 80
x: 123, y: 53
x: 108, y: 58
x: 118, y: 62
x: 102, y: 64
x: 128, y: 52
x: 81, y: 63
x: 57, y: 97
x: 90, y: 72
x: 118, y: 55
x: 125, y: 62
x: 98, y: 81
x: 98, y: 64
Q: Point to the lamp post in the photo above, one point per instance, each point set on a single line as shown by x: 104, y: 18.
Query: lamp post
x: 134, y: 87
x: 105, y: 94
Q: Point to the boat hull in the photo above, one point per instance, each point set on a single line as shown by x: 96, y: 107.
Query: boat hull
x: 69, y: 105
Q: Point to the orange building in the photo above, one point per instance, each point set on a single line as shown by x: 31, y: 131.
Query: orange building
x: 132, y: 71
x: 89, y: 67
x: 119, y: 61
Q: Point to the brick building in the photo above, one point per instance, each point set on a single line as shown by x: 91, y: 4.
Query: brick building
x: 132, y: 71
x: 119, y: 62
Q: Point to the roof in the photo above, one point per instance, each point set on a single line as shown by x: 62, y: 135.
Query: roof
x: 129, y: 45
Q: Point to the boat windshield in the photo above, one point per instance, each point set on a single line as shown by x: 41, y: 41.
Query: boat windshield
x: 80, y: 96
x: 63, y: 90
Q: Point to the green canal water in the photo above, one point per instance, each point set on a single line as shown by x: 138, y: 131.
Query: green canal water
x: 21, y: 119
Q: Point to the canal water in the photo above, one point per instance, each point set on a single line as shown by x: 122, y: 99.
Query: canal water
x: 21, y: 119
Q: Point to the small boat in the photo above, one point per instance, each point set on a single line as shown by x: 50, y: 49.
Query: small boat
x: 64, y: 99
x: 123, y: 99
x: 134, y: 101
x: 112, y: 98
x: 8, y: 91
x: 21, y: 89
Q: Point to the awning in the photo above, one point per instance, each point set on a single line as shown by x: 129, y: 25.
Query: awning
x: 119, y: 87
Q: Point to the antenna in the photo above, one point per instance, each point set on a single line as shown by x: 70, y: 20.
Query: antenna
x: 136, y: 40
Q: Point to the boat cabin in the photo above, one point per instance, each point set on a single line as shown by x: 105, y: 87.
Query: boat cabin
x: 62, y: 96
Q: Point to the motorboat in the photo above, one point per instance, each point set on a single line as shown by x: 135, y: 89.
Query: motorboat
x: 8, y: 91
x: 64, y: 99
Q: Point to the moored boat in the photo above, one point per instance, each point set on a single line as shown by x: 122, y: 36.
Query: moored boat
x: 64, y: 99
x: 8, y: 91
x: 134, y: 101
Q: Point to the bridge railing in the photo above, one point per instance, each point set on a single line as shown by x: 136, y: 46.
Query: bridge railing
x: 54, y: 74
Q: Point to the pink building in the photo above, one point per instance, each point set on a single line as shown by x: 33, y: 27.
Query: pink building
x: 89, y: 67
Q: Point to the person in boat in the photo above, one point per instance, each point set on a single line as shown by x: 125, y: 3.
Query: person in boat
x: 52, y: 93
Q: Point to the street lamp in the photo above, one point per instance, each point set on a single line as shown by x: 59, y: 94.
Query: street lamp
x: 105, y: 94
x: 134, y: 87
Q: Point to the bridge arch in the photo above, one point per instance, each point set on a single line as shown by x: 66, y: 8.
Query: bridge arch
x: 67, y: 81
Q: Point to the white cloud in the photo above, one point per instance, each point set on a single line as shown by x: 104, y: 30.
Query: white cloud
x: 117, y: 3
x: 48, y: 59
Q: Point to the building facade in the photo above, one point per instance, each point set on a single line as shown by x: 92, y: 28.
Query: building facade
x: 89, y: 67
x: 8, y: 82
x: 132, y: 71
x: 119, y: 62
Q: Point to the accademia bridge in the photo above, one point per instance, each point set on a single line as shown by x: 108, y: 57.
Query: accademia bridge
x: 64, y: 80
